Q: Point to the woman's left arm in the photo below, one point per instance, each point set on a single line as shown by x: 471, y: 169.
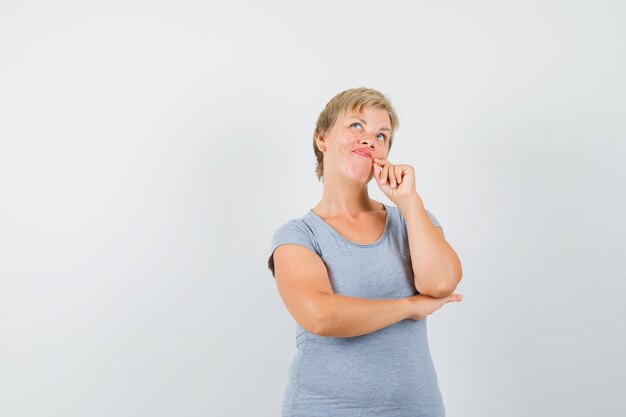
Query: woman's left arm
x: 436, y: 267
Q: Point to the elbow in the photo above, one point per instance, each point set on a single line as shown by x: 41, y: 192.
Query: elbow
x: 447, y: 288
x: 313, y: 326
x: 444, y: 291
x: 317, y: 319
x: 317, y: 324
x: 441, y: 284
x: 324, y: 325
x: 440, y: 290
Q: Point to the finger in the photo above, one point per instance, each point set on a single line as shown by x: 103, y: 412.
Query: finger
x: 392, y: 176
x: 377, y: 169
x: 384, y: 175
x: 398, y: 173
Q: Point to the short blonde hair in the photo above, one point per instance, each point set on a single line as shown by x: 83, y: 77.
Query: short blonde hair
x: 354, y: 99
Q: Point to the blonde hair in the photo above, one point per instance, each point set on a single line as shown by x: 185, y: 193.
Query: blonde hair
x: 354, y: 99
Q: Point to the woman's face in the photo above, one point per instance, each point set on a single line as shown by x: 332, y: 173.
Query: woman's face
x: 368, y: 131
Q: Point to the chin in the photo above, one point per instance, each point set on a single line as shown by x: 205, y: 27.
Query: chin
x: 354, y: 176
x: 362, y: 179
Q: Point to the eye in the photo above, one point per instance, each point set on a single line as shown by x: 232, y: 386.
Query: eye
x: 355, y: 123
x: 383, y: 137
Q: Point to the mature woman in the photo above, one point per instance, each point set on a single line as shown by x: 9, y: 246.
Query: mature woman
x: 360, y: 277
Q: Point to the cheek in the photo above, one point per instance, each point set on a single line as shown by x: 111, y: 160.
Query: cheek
x: 350, y: 142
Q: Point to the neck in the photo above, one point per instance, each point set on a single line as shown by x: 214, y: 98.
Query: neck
x: 342, y: 197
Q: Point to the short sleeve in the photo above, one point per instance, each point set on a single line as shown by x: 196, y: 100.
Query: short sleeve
x: 431, y: 216
x: 433, y: 219
x: 296, y: 232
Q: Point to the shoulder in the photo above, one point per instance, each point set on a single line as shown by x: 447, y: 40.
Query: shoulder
x: 295, y: 231
x: 431, y: 216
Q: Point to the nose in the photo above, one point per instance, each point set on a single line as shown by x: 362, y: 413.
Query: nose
x: 366, y: 139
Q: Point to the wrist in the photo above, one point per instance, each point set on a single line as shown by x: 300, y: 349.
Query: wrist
x: 415, y: 304
x: 410, y: 308
x: 410, y: 202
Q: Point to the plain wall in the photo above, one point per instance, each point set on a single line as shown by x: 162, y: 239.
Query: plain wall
x: 149, y: 150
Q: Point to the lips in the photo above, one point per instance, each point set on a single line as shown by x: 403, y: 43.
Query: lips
x: 363, y: 152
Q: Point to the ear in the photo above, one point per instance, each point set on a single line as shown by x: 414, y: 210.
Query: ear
x: 320, y: 143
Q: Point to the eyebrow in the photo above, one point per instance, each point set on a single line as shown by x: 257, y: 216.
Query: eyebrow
x: 365, y: 123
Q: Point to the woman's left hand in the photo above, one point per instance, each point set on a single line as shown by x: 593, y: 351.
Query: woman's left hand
x: 397, y: 182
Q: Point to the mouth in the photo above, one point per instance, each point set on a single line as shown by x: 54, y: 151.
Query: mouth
x: 363, y: 153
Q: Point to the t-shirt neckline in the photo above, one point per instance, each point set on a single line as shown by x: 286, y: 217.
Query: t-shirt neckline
x: 336, y: 233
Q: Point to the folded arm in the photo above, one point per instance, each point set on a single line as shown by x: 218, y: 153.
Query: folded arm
x: 436, y: 267
x: 304, y: 286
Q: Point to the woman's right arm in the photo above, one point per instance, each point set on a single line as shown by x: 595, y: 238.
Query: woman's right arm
x: 304, y: 286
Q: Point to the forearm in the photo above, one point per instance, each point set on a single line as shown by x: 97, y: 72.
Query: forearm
x: 344, y: 316
x: 436, y: 266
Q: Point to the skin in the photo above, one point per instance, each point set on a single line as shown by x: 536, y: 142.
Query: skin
x: 346, y: 176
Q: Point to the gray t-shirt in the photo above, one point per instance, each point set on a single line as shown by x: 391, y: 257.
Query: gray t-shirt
x: 388, y: 372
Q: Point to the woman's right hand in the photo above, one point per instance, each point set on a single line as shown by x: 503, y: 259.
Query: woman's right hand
x: 425, y: 305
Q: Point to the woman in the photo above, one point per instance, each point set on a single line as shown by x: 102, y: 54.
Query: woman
x: 360, y: 277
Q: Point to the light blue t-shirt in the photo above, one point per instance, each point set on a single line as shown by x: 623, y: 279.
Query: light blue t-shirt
x: 386, y: 373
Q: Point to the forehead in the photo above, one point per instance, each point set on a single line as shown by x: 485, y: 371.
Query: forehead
x: 375, y: 116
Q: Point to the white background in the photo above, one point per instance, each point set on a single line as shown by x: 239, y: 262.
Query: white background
x: 148, y: 151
